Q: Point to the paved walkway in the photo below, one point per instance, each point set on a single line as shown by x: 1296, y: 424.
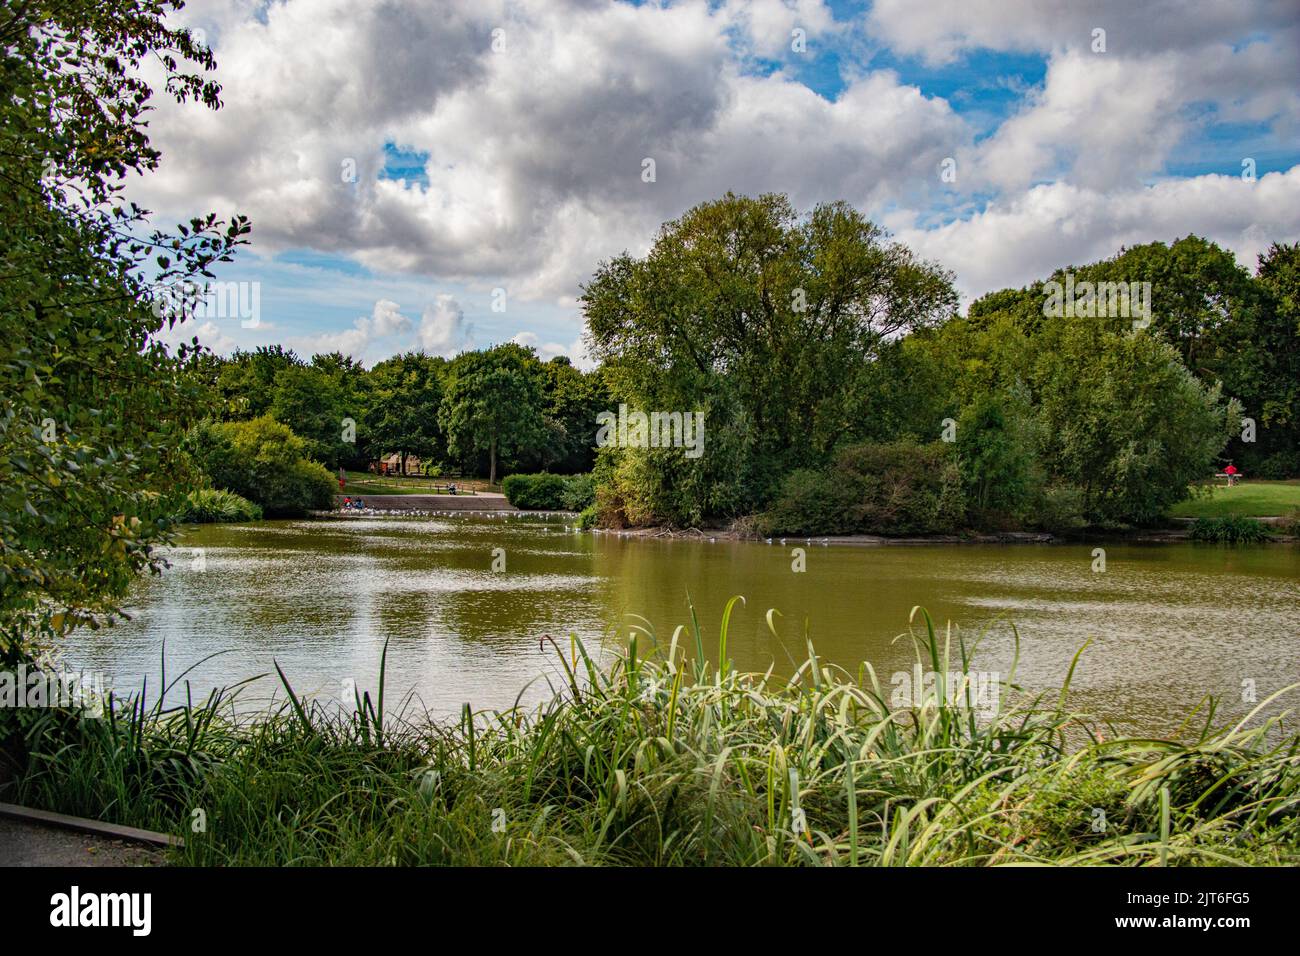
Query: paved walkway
x: 30, y: 844
x: 483, y: 501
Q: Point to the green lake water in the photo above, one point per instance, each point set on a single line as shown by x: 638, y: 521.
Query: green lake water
x: 1169, y: 623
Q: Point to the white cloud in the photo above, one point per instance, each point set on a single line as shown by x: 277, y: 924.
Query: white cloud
x: 443, y: 329
x: 535, y: 152
x: 940, y: 30
x: 384, y: 322
x: 1055, y: 225
x: 575, y: 351
x: 207, y: 332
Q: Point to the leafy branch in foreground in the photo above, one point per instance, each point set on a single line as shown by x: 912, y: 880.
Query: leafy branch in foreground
x: 93, y: 405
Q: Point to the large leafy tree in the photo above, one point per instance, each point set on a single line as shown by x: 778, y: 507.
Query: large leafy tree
x: 1228, y: 327
x: 1125, y: 421
x: 405, y: 401
x: 493, y: 404
x: 763, y: 319
x: 325, y: 403
x: 91, y: 406
x: 573, y: 399
x: 245, y: 382
x: 1261, y: 367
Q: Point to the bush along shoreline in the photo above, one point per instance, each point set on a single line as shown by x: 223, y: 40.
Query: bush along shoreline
x: 211, y: 505
x: 662, y: 758
x: 548, y: 492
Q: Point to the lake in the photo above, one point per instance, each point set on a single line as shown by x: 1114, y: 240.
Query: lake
x: 1169, y: 623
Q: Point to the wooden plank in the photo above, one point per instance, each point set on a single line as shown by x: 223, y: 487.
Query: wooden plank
x: 97, y: 827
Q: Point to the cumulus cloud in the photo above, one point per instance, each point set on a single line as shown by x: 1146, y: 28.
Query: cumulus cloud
x: 534, y: 151
x: 384, y: 322
x: 443, y: 329
x: 940, y: 30
x: 533, y: 119
x: 576, y: 351
x: 209, y: 334
x: 1058, y: 224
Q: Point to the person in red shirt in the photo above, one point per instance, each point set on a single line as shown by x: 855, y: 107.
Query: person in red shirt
x: 1231, y: 472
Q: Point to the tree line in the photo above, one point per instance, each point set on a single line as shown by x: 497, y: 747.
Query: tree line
x: 829, y: 360
x: 841, y: 386
x: 481, y: 413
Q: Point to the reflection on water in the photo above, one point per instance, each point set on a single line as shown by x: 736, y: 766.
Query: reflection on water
x: 1169, y: 624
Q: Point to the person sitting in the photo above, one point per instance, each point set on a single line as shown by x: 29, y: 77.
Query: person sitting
x: 359, y: 505
x: 1231, y: 472
x: 451, y: 488
x: 347, y: 503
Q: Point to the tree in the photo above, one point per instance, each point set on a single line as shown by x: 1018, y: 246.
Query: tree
x: 763, y: 319
x: 91, y: 406
x: 265, y: 462
x: 1125, y: 421
x: 245, y: 382
x: 997, y: 448
x: 493, y: 404
x: 406, y: 400
x: 1260, y: 365
x: 572, y: 401
x: 317, y: 401
x: 1197, y: 292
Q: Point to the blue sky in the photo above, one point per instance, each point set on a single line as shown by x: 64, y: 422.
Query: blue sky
x: 498, y: 146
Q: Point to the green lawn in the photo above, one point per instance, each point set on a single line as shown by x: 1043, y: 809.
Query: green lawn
x: 1252, y: 499
x: 363, y: 483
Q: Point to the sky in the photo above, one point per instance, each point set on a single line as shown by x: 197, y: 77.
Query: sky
x: 446, y: 174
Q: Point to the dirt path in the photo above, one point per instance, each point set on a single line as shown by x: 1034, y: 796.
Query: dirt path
x: 29, y: 844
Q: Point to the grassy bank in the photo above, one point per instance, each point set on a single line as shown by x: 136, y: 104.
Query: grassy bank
x: 1250, y: 499
x: 657, y: 758
x: 363, y: 483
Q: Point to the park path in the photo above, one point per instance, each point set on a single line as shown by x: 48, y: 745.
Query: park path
x: 483, y: 501
x: 32, y: 844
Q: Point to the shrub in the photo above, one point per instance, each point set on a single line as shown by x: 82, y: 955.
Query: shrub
x: 810, y: 502
x: 540, y: 492
x: 1229, y: 529
x: 263, y: 461
x: 900, y: 487
x: 1058, y: 507
x: 1291, y: 522
x: 996, y: 442
x: 1277, y: 467
x: 579, y: 492
x: 587, y: 519
x: 205, y: 505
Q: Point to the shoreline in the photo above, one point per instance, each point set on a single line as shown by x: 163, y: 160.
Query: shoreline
x: 1145, y: 536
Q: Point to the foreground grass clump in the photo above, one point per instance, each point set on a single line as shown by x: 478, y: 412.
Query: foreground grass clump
x: 1230, y: 529
x: 666, y: 760
x: 206, y: 505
